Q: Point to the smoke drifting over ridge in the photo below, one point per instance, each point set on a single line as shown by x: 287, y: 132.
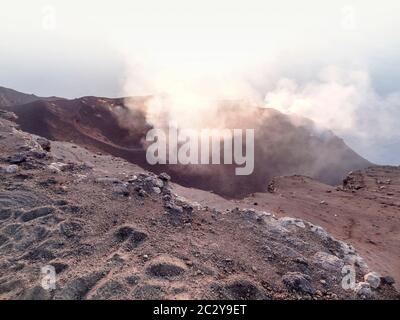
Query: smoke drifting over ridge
x: 190, y: 96
x: 345, y: 102
x: 187, y: 94
x: 191, y: 58
x: 339, y: 99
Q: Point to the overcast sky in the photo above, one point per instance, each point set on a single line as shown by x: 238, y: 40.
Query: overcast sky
x: 76, y: 48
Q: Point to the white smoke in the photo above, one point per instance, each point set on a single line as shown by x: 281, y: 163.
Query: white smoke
x: 188, y: 58
x: 344, y: 101
x: 187, y: 87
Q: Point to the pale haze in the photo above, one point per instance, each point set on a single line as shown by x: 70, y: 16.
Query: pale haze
x: 336, y: 62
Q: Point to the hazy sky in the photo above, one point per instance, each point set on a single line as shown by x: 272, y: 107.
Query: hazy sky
x: 286, y: 51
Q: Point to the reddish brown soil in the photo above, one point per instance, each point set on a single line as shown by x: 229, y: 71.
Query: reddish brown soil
x: 368, y: 218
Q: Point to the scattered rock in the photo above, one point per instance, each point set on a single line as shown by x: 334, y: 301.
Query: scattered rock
x: 158, y: 183
x: 36, y: 213
x: 71, y: 209
x: 363, y: 289
x: 299, y: 282
x: 110, y: 290
x: 10, y: 169
x: 17, y: 158
x: 59, y: 266
x: 132, y: 237
x: 38, y: 155
x: 14, y: 230
x: 156, y: 190
x: 39, y: 254
x: 116, y: 260
x: 5, y: 213
x: 70, y: 228
x: 11, y: 116
x: 78, y: 288
x: 280, y: 251
x: 240, y: 289
x: 166, y: 268
x: 132, y: 280
x: 10, y: 286
x: 123, y: 233
x: 44, y: 143
x: 3, y: 239
x: 141, y: 192
x: 136, y: 239
x: 133, y: 179
x: 164, y: 177
x: 148, y: 292
x: 388, y: 280
x: 360, y: 263
x: 373, y: 278
x: 35, y: 293
x: 18, y: 198
x: 287, y: 221
x: 61, y: 202
x: 121, y: 189
x: 57, y: 167
x: 328, y: 261
x: 48, y: 182
x: 173, y: 208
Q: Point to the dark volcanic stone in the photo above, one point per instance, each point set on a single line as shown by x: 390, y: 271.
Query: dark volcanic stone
x: 40, y: 254
x: 148, y: 292
x: 299, y: 282
x: 243, y: 291
x: 70, y: 209
x: 3, y: 239
x: 59, y: 266
x: 123, y: 233
x: 132, y: 280
x: 132, y: 237
x: 70, y: 228
x: 14, y: 230
x: 61, y: 202
x: 240, y: 290
x: 48, y: 182
x: 44, y: 143
x: 35, y: 293
x: 36, y: 213
x: 165, y: 270
x: 20, y: 199
x: 120, y: 189
x: 16, y: 158
x: 136, y: 239
x: 37, y: 154
x: 110, y: 290
x: 388, y: 280
x: 10, y: 286
x: 5, y: 213
x: 164, y: 176
x: 78, y: 288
